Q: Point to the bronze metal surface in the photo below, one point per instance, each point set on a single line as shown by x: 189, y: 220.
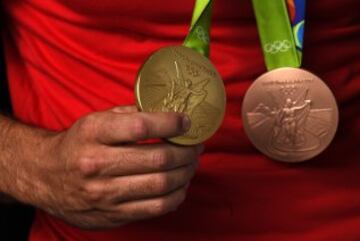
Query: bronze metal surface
x: 179, y: 79
x: 290, y: 114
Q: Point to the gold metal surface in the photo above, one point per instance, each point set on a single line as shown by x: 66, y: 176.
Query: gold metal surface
x: 290, y: 114
x: 179, y: 79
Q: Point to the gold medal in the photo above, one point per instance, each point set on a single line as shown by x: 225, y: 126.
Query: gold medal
x: 290, y: 114
x: 179, y: 79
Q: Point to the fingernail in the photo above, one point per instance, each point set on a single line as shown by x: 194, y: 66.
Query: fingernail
x: 186, y: 123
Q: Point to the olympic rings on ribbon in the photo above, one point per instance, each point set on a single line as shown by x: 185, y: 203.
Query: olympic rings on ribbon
x: 202, y: 34
x: 277, y: 46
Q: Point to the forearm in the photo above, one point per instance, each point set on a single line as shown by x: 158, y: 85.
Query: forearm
x: 19, y: 147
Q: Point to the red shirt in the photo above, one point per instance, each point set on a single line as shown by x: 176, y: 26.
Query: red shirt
x: 67, y: 58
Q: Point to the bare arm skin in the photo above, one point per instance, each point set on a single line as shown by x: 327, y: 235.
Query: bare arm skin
x: 94, y: 175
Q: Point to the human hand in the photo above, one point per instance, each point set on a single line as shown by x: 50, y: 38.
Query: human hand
x: 96, y: 175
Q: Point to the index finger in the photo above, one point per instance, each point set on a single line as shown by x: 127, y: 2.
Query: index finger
x: 116, y: 128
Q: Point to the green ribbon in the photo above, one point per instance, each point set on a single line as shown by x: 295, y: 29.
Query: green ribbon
x: 198, y: 37
x: 276, y: 35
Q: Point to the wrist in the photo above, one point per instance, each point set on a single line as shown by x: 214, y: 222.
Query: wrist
x: 22, y: 148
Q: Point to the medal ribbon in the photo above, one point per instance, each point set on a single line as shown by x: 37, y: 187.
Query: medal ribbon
x: 281, y: 28
x: 198, y: 37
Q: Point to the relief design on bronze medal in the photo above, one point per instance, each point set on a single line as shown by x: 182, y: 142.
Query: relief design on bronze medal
x: 295, y: 125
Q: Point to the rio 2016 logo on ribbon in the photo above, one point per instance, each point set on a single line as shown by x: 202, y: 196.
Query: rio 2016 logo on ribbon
x: 277, y: 46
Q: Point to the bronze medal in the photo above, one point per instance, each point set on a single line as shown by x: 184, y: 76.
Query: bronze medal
x: 290, y: 114
x: 179, y: 79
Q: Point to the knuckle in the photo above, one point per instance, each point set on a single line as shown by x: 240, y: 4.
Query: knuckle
x: 139, y: 128
x: 93, y: 192
x: 161, y: 159
x: 87, y: 166
x: 162, y: 183
x: 161, y: 207
x: 88, y: 124
x: 168, y: 203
